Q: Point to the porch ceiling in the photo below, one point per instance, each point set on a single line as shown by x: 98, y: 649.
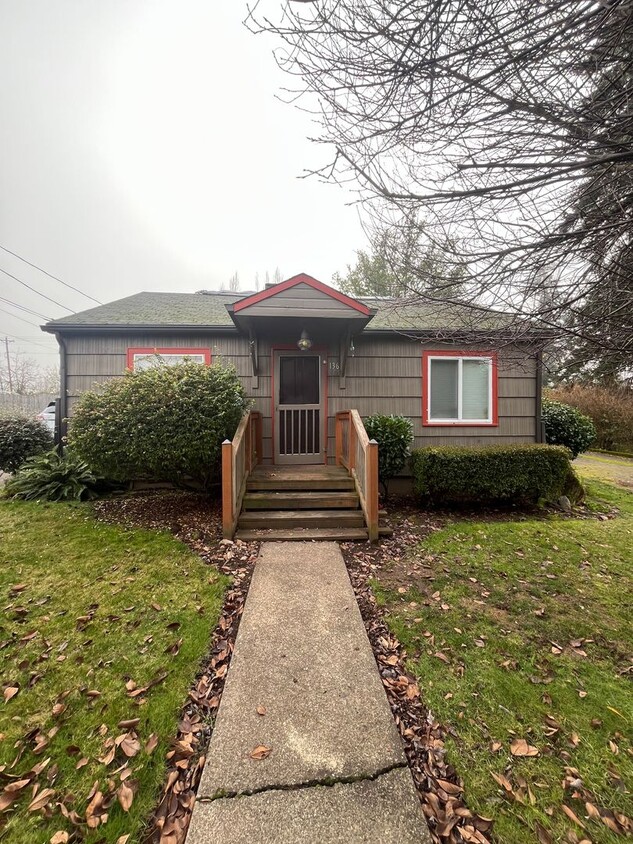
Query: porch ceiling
x: 288, y: 328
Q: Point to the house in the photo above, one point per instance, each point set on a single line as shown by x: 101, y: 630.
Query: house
x: 306, y: 352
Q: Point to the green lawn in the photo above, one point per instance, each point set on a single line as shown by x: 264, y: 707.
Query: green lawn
x: 87, y: 609
x: 524, y: 631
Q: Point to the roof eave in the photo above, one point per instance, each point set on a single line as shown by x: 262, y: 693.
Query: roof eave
x: 55, y: 328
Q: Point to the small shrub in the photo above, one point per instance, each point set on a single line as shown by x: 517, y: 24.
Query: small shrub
x: 21, y: 438
x: 166, y: 423
x: 564, y: 425
x: 609, y: 408
x: 394, y: 435
x: 49, y: 477
x: 524, y: 474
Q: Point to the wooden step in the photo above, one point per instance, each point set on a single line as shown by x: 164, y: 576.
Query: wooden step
x: 341, y: 534
x: 300, y: 484
x: 300, y: 478
x: 300, y: 500
x: 285, y: 519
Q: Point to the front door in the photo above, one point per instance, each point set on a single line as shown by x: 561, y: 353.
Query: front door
x: 298, y: 408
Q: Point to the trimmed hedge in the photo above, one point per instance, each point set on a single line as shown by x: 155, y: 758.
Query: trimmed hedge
x: 524, y: 474
x: 21, y: 438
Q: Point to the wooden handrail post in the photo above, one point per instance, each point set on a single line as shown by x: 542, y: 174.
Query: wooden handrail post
x: 249, y: 445
x: 338, y: 434
x: 227, y: 489
x: 259, y: 438
x: 351, y: 443
x: 371, y: 486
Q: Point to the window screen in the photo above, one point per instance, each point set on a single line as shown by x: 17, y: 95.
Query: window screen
x: 475, y: 392
x: 299, y: 379
x: 148, y: 361
x: 459, y: 389
x: 444, y: 385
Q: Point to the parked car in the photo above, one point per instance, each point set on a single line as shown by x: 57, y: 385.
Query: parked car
x: 47, y: 416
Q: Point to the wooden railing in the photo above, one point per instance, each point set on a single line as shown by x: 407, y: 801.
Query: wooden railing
x: 239, y: 457
x: 359, y: 455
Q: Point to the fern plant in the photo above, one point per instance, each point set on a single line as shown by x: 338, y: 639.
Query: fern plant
x: 49, y: 477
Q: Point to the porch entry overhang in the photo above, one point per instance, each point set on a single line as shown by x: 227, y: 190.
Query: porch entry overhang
x: 301, y: 304
x: 300, y: 309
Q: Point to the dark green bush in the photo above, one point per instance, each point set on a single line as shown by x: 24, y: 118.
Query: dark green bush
x: 394, y: 435
x: 166, y: 423
x: 49, y: 477
x: 524, y: 474
x: 564, y: 425
x: 21, y: 438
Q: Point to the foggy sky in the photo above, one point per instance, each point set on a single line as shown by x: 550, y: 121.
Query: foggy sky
x: 143, y: 148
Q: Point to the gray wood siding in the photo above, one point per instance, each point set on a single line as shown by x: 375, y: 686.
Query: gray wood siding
x: 384, y: 375
x: 300, y: 299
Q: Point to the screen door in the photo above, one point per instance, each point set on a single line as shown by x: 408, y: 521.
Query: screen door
x: 298, y: 409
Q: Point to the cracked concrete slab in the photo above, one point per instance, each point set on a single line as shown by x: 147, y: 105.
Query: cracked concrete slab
x: 303, y: 654
x: 383, y: 811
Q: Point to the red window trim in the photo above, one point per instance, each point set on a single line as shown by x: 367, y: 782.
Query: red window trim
x: 165, y: 350
x: 302, y: 278
x: 459, y: 353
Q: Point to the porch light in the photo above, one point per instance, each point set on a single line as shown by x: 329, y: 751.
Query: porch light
x: 304, y: 341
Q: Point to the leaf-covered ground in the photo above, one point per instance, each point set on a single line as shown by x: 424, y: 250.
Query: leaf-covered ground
x: 518, y: 630
x: 103, y: 629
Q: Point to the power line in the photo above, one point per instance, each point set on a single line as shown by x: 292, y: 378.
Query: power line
x: 43, y: 295
x: 31, y: 343
x: 24, y: 308
x: 15, y: 316
x: 50, y: 275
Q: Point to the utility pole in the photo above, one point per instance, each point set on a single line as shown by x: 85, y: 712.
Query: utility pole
x: 10, y: 376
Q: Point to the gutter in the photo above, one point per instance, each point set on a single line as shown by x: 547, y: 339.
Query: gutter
x: 540, y: 427
x: 62, y: 424
x: 55, y: 327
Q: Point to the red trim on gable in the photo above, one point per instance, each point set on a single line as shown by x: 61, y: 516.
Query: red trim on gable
x: 459, y: 353
x: 302, y: 278
x: 155, y: 350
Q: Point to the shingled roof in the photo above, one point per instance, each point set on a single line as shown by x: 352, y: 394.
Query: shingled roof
x: 208, y: 309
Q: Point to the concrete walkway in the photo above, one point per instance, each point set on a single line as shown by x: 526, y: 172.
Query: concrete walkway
x: 336, y: 771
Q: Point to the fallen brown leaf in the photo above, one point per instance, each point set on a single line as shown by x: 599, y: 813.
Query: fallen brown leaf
x: 125, y: 795
x: 151, y: 743
x: 41, y: 799
x: 520, y: 747
x: 261, y: 752
x: 572, y: 816
x: 11, y: 691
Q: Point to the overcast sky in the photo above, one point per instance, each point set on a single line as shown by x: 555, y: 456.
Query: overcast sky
x: 142, y: 148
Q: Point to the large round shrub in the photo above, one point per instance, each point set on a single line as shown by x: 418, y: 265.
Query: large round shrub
x: 21, y: 438
x: 394, y: 435
x: 564, y: 425
x: 165, y: 423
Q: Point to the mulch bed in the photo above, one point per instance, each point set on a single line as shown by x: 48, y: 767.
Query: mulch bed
x: 196, y: 521
x: 440, y: 789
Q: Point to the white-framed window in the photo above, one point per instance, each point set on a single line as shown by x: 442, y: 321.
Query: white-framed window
x: 459, y: 388
x: 146, y: 358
